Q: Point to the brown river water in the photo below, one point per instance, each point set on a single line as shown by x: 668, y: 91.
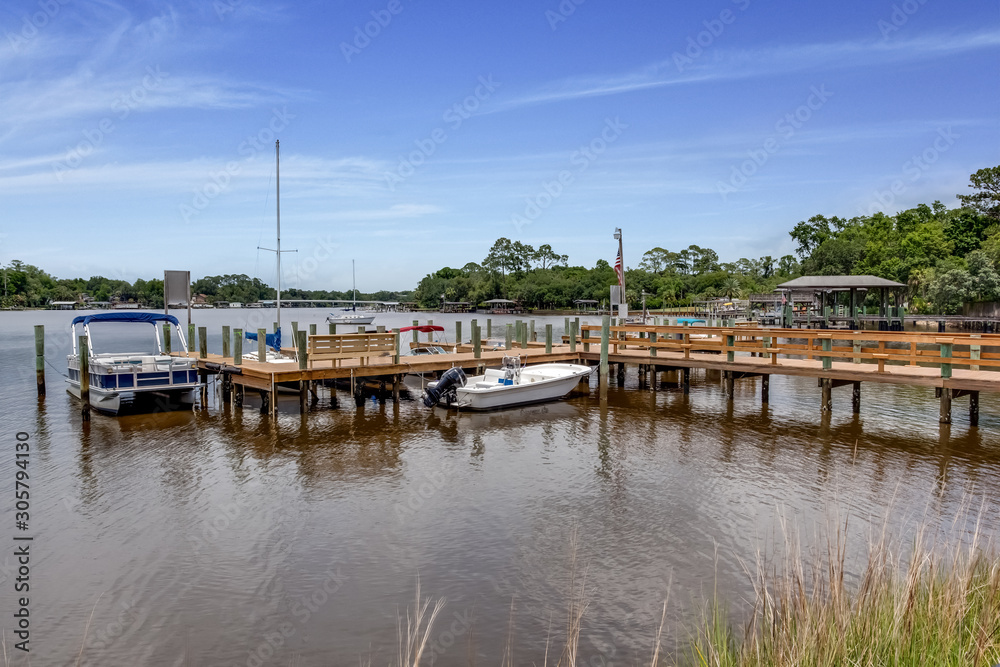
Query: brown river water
x: 224, y: 537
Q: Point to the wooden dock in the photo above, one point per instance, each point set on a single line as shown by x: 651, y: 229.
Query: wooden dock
x: 955, y: 366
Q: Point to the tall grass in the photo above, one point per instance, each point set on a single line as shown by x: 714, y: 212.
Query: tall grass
x: 935, y: 606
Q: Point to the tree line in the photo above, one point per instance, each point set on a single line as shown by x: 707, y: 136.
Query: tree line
x: 945, y: 257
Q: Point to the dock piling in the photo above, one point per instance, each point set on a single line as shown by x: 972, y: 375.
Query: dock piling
x: 489, y: 327
x: 395, y: 355
x: 312, y: 329
x: 203, y: 342
x: 856, y: 397
x: 509, y: 337
x: 261, y: 345
x: 166, y: 338
x: 477, y: 341
x: 945, y: 413
x: 226, y: 340
x: 572, y: 336
x: 458, y: 333
x: 302, y: 351
x: 605, y: 338
x: 416, y: 334
x: 40, y: 358
x: 765, y: 389
x: 84, y: 377
x: 532, y: 335
x: 190, y: 340
x: 826, y: 394
x: 333, y: 329
x: 548, y: 339
x: 973, y: 408
x: 238, y: 347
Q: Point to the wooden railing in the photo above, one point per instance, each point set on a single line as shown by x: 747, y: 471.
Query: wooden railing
x: 337, y: 347
x: 974, y: 351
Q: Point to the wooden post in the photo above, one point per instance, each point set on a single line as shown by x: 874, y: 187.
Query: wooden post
x: 946, y: 345
x: 274, y: 327
x: 190, y: 338
x: 524, y: 335
x: 333, y: 329
x: 361, y: 329
x: 686, y: 381
x: 566, y: 325
x: 477, y: 341
x: 380, y: 328
x: 510, y: 335
x: 312, y: 329
x: 572, y: 337
x: 395, y: 355
x: 827, y: 342
x: 517, y: 331
x: 548, y: 339
x: 458, y: 333
x: 203, y: 342
x: 856, y: 397
x: 826, y: 398
x: 430, y: 334
x: 730, y: 384
x: 532, y: 336
x: 975, y: 352
x: 945, y: 414
x: 295, y: 333
x: 226, y: 339
x: 765, y: 389
x: 40, y: 358
x: 973, y: 408
x: 652, y: 343
x: 238, y: 347
x: 84, y: 378
x: 605, y: 337
x: 261, y: 345
x: 585, y: 338
x: 416, y: 334
x: 302, y: 348
x: 166, y: 338
x: 857, y: 351
x: 489, y: 327
x: 730, y: 342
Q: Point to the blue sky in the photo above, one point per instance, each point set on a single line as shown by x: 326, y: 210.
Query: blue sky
x: 139, y: 137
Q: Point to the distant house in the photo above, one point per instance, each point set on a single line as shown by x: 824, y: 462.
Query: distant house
x: 62, y: 305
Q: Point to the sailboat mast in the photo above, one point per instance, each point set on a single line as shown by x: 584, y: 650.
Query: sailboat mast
x: 277, y: 199
x: 354, y: 286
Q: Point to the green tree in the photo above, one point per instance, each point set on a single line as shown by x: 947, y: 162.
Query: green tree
x: 987, y: 200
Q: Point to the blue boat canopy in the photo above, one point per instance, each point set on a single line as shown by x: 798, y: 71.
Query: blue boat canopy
x: 273, y: 341
x: 152, y: 318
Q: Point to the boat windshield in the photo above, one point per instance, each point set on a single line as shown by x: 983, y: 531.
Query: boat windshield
x: 125, y: 338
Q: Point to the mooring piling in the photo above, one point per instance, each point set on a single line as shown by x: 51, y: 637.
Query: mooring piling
x: 226, y: 340
x: 238, y: 347
x: 84, y: 377
x: 40, y: 358
x: 261, y: 345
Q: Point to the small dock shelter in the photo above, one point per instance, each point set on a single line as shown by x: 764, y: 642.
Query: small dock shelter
x: 818, y: 298
x: 502, y: 306
x: 584, y: 306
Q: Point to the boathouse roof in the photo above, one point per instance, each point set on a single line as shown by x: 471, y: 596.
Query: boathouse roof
x: 839, y: 283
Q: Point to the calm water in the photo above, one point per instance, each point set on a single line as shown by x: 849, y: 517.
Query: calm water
x: 220, y: 537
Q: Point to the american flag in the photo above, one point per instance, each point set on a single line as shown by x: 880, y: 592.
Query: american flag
x: 618, y: 269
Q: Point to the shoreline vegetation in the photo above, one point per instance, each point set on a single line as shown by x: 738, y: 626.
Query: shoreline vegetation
x: 928, y: 602
x: 946, y: 257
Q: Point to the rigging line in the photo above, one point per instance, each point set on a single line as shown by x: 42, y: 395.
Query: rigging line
x: 56, y: 369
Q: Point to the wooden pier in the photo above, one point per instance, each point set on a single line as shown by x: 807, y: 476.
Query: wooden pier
x: 955, y: 366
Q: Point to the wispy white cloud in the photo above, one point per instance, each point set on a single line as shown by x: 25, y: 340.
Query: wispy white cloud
x: 754, y: 63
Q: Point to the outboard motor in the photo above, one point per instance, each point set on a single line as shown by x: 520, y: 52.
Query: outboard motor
x: 450, y: 380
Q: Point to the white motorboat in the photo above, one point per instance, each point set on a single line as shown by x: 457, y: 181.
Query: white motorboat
x: 359, y: 320
x: 505, y: 387
x: 134, y: 381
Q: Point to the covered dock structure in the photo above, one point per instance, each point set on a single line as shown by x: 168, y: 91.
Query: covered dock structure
x: 839, y: 301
